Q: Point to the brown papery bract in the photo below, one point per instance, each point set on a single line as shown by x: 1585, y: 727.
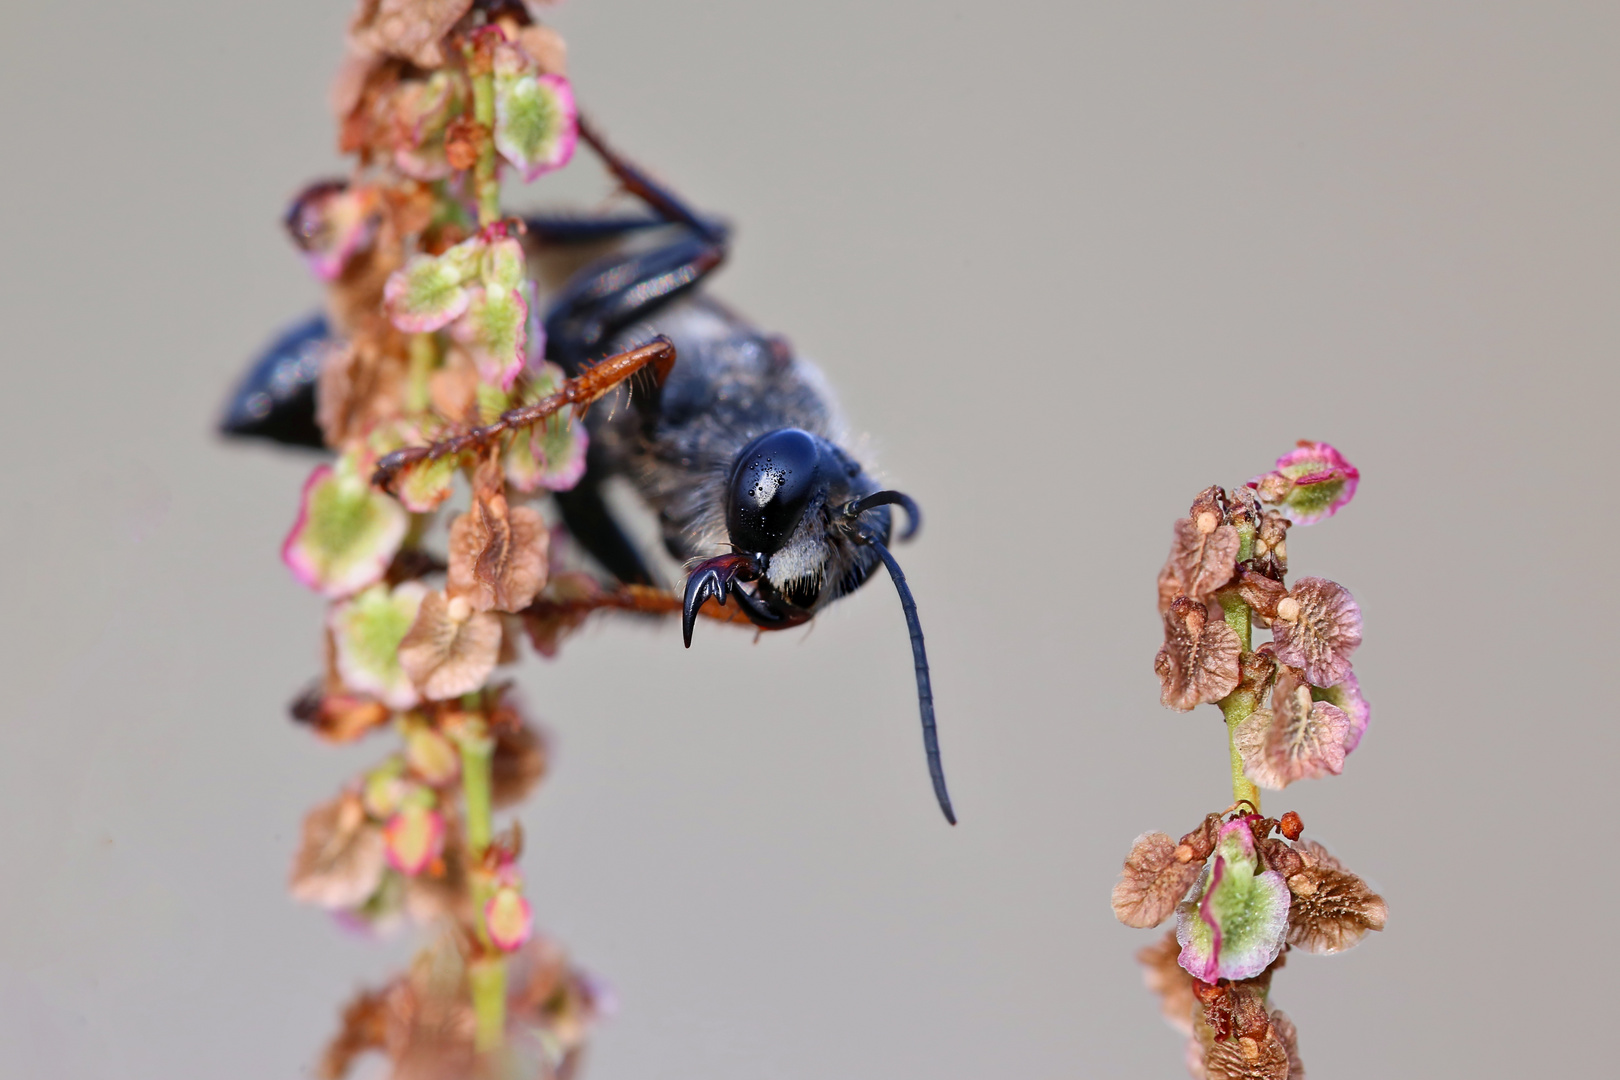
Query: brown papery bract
x: 497, y: 553
x: 1203, y: 556
x: 411, y: 29
x: 1297, y: 738
x: 1153, y: 881
x: 450, y: 649
x: 342, y: 858
x: 1254, y: 1049
x: 519, y: 763
x: 1165, y: 976
x: 1199, y: 660
x: 1332, y: 909
x: 1317, y: 626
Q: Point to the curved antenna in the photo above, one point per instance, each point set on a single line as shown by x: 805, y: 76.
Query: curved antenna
x: 890, y: 498
x: 925, y: 690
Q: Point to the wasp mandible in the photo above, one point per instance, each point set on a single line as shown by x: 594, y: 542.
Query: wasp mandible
x: 738, y: 451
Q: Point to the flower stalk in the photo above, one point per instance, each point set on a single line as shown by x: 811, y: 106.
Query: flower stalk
x: 486, y: 178
x: 430, y: 329
x: 1243, y: 897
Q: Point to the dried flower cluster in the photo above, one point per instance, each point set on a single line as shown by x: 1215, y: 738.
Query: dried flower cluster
x: 1243, y: 897
x: 431, y: 295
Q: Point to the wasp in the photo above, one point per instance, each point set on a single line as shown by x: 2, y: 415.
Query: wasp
x: 739, y: 449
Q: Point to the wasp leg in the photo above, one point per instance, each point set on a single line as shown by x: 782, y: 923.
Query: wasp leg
x: 577, y: 393
x: 588, y: 519
x: 610, y: 295
x: 566, y: 230
x: 662, y: 201
x: 276, y: 398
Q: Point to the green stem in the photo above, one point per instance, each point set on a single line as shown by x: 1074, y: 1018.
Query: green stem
x: 486, y: 177
x: 487, y: 974
x: 1237, y: 706
x: 487, y: 977
x: 477, y: 752
x: 424, y: 358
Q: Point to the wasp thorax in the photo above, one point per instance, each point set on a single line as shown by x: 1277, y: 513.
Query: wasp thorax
x: 772, y: 483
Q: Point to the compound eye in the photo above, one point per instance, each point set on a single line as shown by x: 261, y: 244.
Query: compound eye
x: 771, y: 485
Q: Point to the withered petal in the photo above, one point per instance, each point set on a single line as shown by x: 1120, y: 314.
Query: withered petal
x: 519, y: 763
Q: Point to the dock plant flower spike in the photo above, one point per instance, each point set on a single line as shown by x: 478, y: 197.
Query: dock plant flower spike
x: 434, y: 333
x: 1246, y: 889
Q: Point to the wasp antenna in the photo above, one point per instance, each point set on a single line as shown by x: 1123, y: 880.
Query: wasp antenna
x: 891, y: 498
x: 925, y: 690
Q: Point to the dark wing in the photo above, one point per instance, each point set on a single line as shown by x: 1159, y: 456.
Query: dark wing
x: 276, y: 398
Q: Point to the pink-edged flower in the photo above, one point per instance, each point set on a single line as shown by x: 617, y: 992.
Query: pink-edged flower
x: 383, y: 789
x: 430, y: 291
x: 345, y: 534
x: 1311, y: 482
x: 366, y: 635
x: 502, y: 265
x: 1346, y: 696
x: 415, y: 838
x: 508, y: 918
x: 330, y: 221
x: 1317, y: 627
x: 493, y: 329
x: 1296, y: 739
x: 1232, y: 927
x: 536, y: 121
x: 424, y: 486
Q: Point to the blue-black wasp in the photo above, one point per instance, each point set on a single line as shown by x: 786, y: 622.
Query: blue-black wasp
x: 737, y: 450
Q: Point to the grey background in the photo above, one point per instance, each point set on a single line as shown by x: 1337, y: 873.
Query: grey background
x: 1068, y: 263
